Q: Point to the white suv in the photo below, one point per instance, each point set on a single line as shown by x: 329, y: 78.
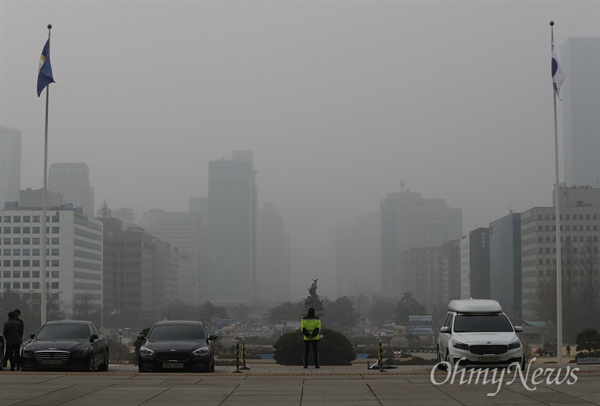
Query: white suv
x: 477, y: 333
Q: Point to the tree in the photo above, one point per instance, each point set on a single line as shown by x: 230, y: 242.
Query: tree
x: 208, y: 311
x: 588, y: 344
x: 334, y: 349
x: 286, y: 311
x: 84, y: 308
x: 381, y: 311
x: 181, y: 311
x: 341, y: 313
x: 408, y: 306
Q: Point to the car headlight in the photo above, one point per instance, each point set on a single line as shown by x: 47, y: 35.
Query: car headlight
x: 459, y: 345
x: 146, y: 351
x: 28, y: 353
x: 201, y: 351
x: 514, y: 345
x: 80, y: 353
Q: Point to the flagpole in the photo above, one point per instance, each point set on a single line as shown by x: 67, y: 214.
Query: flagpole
x: 559, y: 315
x: 44, y: 203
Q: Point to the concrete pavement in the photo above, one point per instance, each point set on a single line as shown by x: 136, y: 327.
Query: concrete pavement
x: 271, y: 384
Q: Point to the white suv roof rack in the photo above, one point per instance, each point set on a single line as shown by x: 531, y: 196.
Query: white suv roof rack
x: 475, y: 306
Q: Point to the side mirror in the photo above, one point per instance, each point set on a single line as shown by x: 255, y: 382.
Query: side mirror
x: 212, y: 337
x: 518, y: 329
x: 141, y: 337
x: 32, y: 336
x: 445, y: 329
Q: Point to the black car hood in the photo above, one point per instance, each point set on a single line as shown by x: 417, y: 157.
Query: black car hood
x: 174, y: 345
x: 64, y: 345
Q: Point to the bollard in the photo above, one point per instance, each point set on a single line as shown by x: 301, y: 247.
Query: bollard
x: 244, y: 355
x: 380, y: 357
x: 237, y: 358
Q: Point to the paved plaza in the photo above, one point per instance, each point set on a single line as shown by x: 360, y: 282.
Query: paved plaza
x: 271, y: 384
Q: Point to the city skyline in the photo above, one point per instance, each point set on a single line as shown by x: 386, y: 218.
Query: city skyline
x: 340, y: 102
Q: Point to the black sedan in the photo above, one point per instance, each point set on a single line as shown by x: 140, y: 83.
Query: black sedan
x: 177, y: 346
x: 66, y: 345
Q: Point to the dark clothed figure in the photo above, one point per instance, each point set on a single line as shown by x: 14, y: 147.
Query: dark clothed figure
x: 311, y: 329
x: 18, y: 318
x: 12, y: 335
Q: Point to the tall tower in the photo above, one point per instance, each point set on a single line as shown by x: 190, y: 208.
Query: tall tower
x: 10, y: 165
x: 409, y: 220
x: 273, y: 256
x: 232, y: 212
x: 581, y: 61
x: 72, y: 181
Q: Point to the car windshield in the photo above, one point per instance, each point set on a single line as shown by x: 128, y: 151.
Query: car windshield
x: 482, y: 323
x: 64, y: 332
x: 176, y: 333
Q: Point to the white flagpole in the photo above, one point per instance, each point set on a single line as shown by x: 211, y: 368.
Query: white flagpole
x: 559, y: 315
x: 44, y: 203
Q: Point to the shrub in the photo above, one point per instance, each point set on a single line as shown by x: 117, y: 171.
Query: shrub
x: 588, y: 344
x: 334, y: 349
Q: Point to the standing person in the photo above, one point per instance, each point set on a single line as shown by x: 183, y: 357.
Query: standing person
x: 311, y: 329
x: 12, y: 334
x: 18, y: 318
x: 568, y: 350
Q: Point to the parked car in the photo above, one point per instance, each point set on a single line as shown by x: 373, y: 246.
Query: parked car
x: 176, y: 346
x: 477, y: 333
x: 66, y: 345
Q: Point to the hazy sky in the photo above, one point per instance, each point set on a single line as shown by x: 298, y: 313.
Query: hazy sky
x: 339, y: 100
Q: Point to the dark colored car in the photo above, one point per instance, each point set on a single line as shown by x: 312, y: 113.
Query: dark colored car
x: 66, y: 345
x: 176, y: 346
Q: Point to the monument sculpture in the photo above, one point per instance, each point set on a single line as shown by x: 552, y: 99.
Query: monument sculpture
x: 313, y: 299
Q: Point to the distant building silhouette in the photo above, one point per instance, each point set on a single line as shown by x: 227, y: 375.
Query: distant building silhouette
x: 475, y: 264
x: 409, y: 220
x: 273, y: 256
x: 358, y: 256
x: 505, y: 264
x: 232, y: 211
x: 72, y: 181
x: 10, y: 165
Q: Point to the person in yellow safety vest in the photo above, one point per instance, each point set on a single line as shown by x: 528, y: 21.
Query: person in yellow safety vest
x: 311, y: 329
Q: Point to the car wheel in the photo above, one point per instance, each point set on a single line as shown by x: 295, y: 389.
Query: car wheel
x: 440, y: 362
x: 449, y: 360
x: 90, y: 364
x: 104, y: 366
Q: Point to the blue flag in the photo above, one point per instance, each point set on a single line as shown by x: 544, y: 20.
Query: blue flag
x: 45, y: 70
x: 557, y: 75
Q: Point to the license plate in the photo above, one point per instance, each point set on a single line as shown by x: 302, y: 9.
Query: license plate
x: 172, y: 364
x: 51, y: 362
x: 489, y: 359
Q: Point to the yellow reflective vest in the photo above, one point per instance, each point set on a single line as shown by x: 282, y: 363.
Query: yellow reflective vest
x: 310, y: 325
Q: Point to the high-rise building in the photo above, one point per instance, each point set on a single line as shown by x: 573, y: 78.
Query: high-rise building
x: 273, y: 256
x: 130, y: 276
x: 450, y: 270
x: 73, y: 254
x: 232, y: 212
x: 580, y: 258
x: 475, y: 264
x: 505, y: 264
x: 409, y: 220
x: 183, y: 230
x: 72, y: 181
x: 422, y: 277
x: 581, y: 104
x: 358, y: 256
x: 10, y: 165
